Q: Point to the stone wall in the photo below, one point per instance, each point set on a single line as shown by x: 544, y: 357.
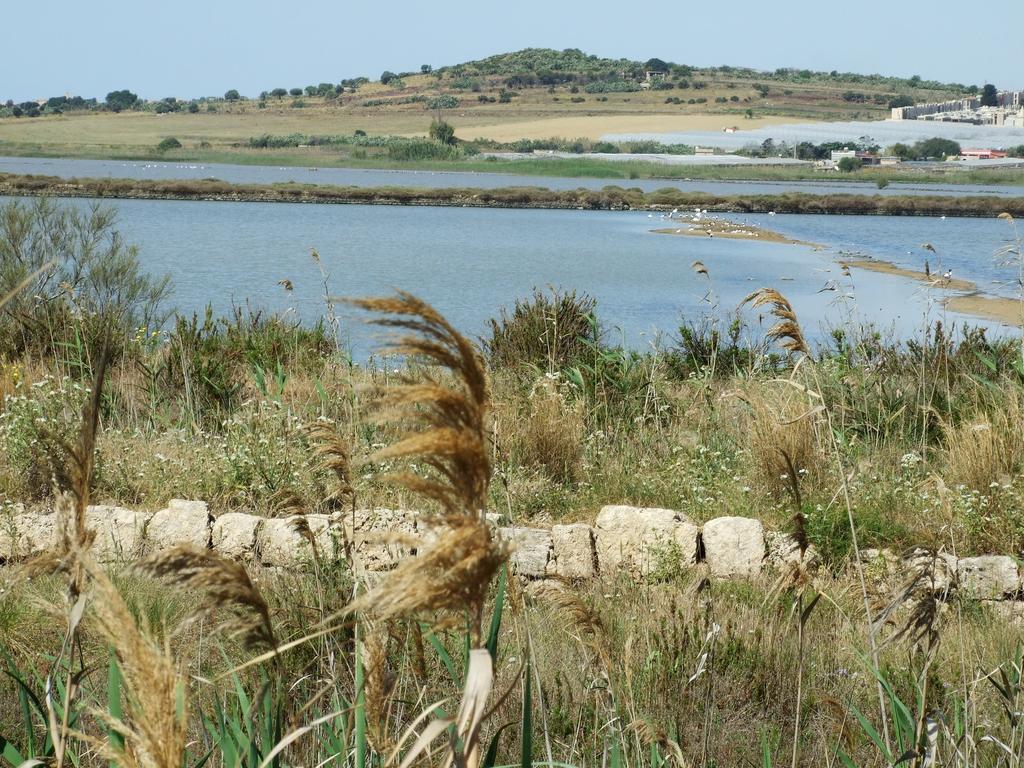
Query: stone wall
x: 639, y: 543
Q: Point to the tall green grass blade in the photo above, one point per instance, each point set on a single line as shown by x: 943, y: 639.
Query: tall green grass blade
x: 491, y: 757
x: 10, y: 753
x: 526, y: 729
x: 443, y: 655
x: 499, y: 609
x: 360, y: 709
x: 114, y: 708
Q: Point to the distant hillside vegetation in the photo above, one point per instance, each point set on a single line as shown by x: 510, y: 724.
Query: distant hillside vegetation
x: 551, y: 67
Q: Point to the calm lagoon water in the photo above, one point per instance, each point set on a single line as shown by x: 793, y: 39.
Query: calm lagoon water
x: 470, y: 262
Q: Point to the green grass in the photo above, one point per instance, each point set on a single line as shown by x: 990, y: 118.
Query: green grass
x: 573, y: 167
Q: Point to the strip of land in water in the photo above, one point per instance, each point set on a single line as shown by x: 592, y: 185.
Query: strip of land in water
x: 609, y: 198
x: 974, y: 302
x: 730, y: 230
x: 971, y: 302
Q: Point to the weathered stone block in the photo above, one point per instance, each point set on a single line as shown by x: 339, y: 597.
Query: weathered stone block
x: 284, y: 542
x: 183, y: 522
x: 734, y: 547
x: 573, y: 555
x: 936, y: 572
x: 119, y: 532
x: 990, y: 577
x: 532, y: 550
x: 380, y: 537
x: 234, y: 535
x: 638, y: 540
x: 782, y: 550
x: 25, y: 534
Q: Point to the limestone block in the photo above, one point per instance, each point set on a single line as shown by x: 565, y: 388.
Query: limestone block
x: 284, y: 542
x: 24, y: 534
x: 119, y: 532
x: 990, y: 577
x: 183, y: 522
x: 935, y: 571
x: 532, y: 550
x: 783, y: 550
x: 573, y: 554
x: 234, y: 535
x: 734, y: 547
x: 638, y: 540
x: 380, y: 538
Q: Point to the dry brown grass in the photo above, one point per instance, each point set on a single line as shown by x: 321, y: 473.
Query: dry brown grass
x: 782, y: 424
x: 986, y: 449
x: 550, y: 434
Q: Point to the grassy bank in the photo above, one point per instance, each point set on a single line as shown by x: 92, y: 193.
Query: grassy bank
x: 608, y: 198
x: 571, y: 167
x: 190, y: 660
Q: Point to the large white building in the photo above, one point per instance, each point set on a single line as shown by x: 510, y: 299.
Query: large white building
x: 1009, y: 112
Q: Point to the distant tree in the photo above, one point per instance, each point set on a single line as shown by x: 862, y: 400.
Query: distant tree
x: 280, y: 93
x: 902, y: 151
x: 426, y: 69
x: 442, y: 132
x: 295, y: 91
x: 119, y: 100
x: 655, y: 65
x: 387, y: 76
x: 989, y: 96
x: 849, y: 164
x: 915, y: 81
x: 935, y: 148
x: 310, y: 90
x: 232, y: 95
x: 193, y: 107
x: 901, y: 101
x: 169, y: 143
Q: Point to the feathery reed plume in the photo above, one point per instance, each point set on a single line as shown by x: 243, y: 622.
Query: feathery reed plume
x: 699, y: 268
x: 72, y: 465
x: 154, y: 728
x: 379, y: 683
x: 227, y: 586
x: 454, y: 441
x: 787, y: 330
x: 454, y: 572
x: 656, y: 737
x: 582, y: 616
x: 333, y: 454
x: 799, y: 518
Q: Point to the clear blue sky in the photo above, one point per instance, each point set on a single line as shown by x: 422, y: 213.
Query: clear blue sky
x: 189, y: 48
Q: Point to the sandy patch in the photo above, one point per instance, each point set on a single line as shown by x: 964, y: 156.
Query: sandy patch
x: 596, y: 126
x: 728, y: 230
x: 996, y: 308
x: 974, y: 303
x: 934, y: 280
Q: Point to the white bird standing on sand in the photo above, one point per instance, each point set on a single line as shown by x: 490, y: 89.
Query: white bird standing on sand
x: 947, y: 274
